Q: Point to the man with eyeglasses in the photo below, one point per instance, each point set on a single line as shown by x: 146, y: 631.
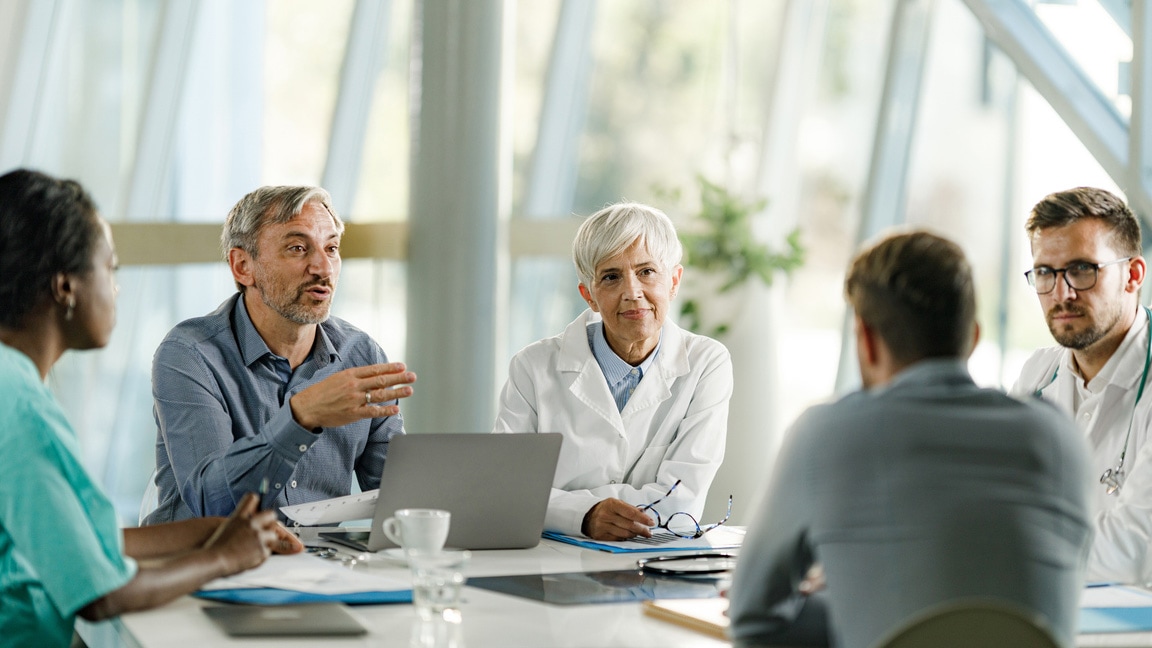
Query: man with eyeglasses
x: 1087, y: 271
x: 920, y: 490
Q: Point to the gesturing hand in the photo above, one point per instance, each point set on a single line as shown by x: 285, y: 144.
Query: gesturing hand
x: 352, y: 394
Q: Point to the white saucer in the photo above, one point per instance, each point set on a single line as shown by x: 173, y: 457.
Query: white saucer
x: 395, y: 554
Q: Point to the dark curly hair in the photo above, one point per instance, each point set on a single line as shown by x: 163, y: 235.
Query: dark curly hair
x: 47, y: 226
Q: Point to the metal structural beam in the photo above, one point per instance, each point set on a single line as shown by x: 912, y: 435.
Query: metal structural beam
x: 31, y: 50
x: 540, y: 309
x: 885, y: 192
x: 552, y: 179
x: 457, y: 246
x: 1016, y: 29
x: 166, y: 244
x: 363, y: 60
x: 247, y: 33
x: 1121, y: 12
x: 1140, y: 123
x: 798, y: 56
x: 156, y: 135
x: 1010, y: 229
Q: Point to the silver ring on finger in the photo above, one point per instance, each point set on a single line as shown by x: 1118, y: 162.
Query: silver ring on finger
x: 368, y: 397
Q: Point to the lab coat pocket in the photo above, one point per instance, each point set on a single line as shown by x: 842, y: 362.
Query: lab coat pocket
x: 645, y: 469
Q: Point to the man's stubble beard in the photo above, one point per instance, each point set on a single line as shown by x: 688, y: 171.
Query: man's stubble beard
x: 293, y: 309
x: 1080, y: 340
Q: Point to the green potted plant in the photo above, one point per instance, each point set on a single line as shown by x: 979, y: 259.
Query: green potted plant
x: 720, y: 244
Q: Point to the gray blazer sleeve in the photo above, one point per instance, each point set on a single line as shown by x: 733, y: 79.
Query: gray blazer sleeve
x: 765, y: 607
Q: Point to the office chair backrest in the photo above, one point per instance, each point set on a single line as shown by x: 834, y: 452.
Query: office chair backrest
x: 973, y: 623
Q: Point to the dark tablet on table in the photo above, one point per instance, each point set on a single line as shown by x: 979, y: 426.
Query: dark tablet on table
x: 314, y: 619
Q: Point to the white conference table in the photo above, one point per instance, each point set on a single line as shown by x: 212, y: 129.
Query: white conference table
x: 489, y: 618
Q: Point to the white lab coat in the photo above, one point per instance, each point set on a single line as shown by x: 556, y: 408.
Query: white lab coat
x: 1123, y: 522
x: 673, y: 427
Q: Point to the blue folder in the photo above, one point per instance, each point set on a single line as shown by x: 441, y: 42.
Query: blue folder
x: 616, y: 548
x: 270, y: 596
x: 1120, y: 619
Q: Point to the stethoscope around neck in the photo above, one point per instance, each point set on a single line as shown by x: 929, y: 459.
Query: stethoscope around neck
x: 1112, y: 478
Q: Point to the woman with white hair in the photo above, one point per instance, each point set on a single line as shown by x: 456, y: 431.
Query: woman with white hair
x: 642, y: 404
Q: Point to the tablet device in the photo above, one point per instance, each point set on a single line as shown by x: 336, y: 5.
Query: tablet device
x: 313, y: 619
x: 585, y: 588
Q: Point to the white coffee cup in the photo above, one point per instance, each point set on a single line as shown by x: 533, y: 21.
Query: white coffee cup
x: 422, y: 529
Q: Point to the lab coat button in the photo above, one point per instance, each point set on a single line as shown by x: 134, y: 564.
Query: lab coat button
x: 612, y: 482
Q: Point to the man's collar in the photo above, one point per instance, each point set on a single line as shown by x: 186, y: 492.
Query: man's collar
x: 930, y: 370
x: 253, y: 347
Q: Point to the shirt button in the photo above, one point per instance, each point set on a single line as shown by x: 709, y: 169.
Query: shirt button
x: 293, y: 484
x: 277, y: 486
x: 612, y: 482
x: 303, y: 448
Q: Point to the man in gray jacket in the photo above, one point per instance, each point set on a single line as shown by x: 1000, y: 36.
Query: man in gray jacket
x: 920, y: 489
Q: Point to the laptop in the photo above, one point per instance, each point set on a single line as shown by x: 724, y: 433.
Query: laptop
x: 495, y: 485
x: 314, y: 619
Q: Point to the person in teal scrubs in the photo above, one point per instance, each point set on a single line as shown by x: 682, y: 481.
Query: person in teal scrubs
x: 62, y: 553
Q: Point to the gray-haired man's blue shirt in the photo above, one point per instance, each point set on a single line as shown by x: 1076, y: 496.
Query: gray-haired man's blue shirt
x: 225, y: 423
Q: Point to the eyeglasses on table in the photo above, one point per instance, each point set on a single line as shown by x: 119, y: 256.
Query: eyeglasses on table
x: 682, y: 524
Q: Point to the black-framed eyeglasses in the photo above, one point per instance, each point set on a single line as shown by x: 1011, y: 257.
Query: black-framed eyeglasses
x: 1078, y: 276
x: 682, y: 524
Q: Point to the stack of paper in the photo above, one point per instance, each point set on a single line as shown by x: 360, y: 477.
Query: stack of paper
x: 357, y: 506
x: 305, y: 578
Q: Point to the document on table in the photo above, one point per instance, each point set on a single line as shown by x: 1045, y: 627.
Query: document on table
x: 1112, y: 596
x: 718, y: 538
x: 357, y: 506
x: 1115, y: 608
x: 709, y: 616
x: 308, y: 573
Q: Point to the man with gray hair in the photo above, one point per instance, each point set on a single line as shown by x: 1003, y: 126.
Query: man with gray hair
x: 268, y: 392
